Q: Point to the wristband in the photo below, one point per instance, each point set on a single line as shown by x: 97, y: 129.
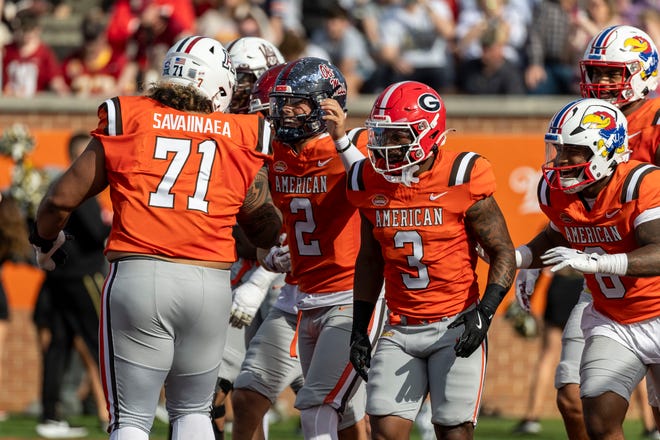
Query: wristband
x: 615, y: 264
x: 492, y: 298
x: 524, y: 257
x: 43, y: 244
x: 362, y: 311
x: 342, y: 144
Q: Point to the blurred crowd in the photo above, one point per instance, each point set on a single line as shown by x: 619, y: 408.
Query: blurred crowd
x: 456, y: 46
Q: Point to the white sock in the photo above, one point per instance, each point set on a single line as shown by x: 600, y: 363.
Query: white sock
x: 319, y: 423
x: 193, y: 426
x: 129, y: 433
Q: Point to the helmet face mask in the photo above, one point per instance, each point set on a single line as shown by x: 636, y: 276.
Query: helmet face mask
x: 310, y: 79
x: 584, y: 142
x: 251, y: 56
x: 204, y: 64
x: 619, y: 49
x: 405, y: 127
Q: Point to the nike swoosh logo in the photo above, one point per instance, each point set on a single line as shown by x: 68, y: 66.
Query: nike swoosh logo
x: 479, y: 323
x: 611, y: 214
x: 322, y: 163
x: 634, y: 134
x: 437, y: 196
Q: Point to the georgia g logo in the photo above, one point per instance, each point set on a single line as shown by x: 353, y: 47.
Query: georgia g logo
x: 429, y: 102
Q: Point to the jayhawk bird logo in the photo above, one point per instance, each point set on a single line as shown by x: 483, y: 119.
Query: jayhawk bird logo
x: 646, y: 54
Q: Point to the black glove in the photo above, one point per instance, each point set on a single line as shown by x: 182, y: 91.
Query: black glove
x: 360, y: 355
x: 44, y: 247
x: 477, y: 321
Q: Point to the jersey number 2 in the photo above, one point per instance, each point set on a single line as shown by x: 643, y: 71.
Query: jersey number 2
x: 163, y: 196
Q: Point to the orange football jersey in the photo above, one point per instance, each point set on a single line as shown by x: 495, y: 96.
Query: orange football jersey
x: 323, y: 229
x: 429, y: 255
x: 609, y: 227
x: 177, y: 179
x: 644, y: 131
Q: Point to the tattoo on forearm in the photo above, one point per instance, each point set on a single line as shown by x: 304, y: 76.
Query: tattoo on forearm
x: 258, y: 217
x: 487, y: 223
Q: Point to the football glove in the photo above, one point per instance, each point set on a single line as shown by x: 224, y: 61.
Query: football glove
x: 360, y: 355
x: 561, y: 257
x: 48, y: 252
x: 476, y: 322
x: 279, y: 258
x: 247, y: 297
x: 525, y: 282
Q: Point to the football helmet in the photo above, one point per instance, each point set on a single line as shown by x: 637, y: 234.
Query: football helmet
x: 628, y: 49
x: 259, y: 99
x: 313, y: 79
x: 251, y: 57
x: 203, y: 63
x: 406, y: 126
x: 596, y: 130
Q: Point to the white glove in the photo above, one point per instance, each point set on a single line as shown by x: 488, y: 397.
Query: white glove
x: 279, y: 258
x: 561, y: 257
x: 525, y: 283
x: 45, y: 260
x: 247, y: 297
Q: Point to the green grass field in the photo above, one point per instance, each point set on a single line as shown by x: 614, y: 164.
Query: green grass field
x: 489, y: 428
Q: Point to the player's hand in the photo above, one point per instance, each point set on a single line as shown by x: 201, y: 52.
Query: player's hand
x: 360, y: 354
x: 562, y: 257
x: 278, y: 258
x: 476, y: 322
x: 525, y: 282
x: 247, y: 297
x: 48, y: 252
x: 334, y: 117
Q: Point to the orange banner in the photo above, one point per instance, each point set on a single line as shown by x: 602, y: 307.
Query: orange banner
x: 516, y: 160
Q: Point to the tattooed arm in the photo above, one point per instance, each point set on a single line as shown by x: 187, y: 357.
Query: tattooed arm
x: 259, y: 217
x: 487, y: 223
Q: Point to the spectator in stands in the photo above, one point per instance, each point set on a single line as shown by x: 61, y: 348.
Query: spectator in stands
x: 145, y: 29
x: 597, y: 15
x: 95, y: 69
x: 229, y: 20
x: 415, y: 42
x: 492, y: 74
x: 296, y: 45
x: 551, y: 57
x: 347, y: 48
x: 75, y: 295
x: 13, y: 247
x: 29, y: 66
x: 488, y: 14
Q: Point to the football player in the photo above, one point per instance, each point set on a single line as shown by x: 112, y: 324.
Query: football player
x: 604, y: 213
x: 423, y: 210
x: 619, y: 65
x: 308, y: 182
x: 182, y: 172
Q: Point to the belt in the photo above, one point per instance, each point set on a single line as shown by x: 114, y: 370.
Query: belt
x: 396, y: 319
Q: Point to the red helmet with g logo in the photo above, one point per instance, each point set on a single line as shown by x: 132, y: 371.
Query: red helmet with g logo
x: 406, y: 125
